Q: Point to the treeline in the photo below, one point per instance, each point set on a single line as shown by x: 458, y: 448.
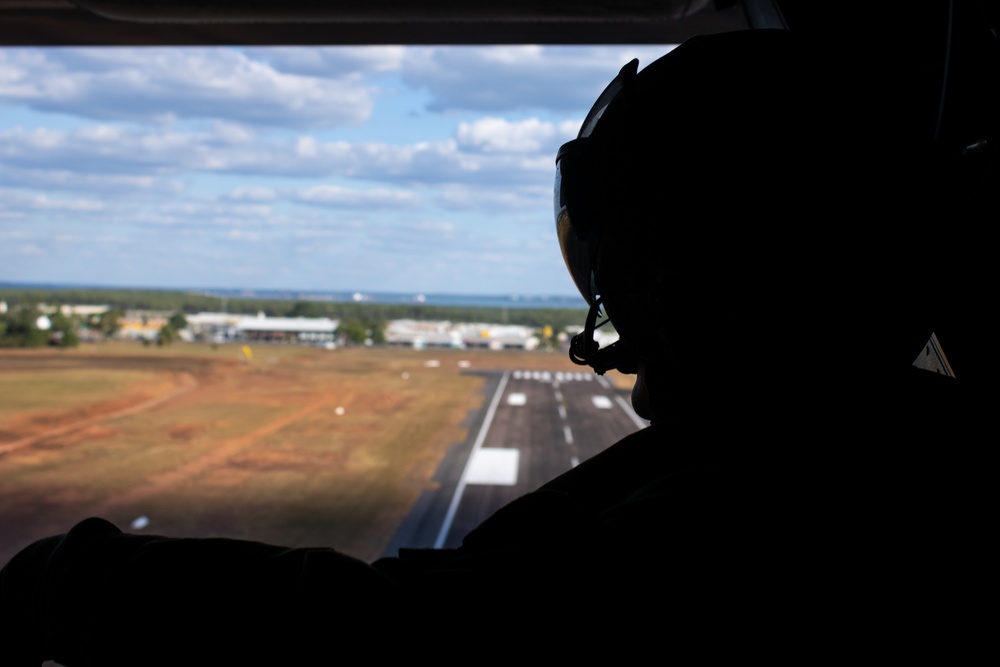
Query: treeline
x: 26, y: 326
x: 190, y: 302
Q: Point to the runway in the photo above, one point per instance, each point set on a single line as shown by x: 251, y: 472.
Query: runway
x: 533, y: 426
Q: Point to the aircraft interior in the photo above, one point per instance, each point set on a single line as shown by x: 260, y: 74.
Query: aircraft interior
x: 949, y: 47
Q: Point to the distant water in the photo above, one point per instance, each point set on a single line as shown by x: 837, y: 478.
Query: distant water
x: 466, y: 300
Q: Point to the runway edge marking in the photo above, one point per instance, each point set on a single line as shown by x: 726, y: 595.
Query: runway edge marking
x: 460, y: 489
x: 636, y: 419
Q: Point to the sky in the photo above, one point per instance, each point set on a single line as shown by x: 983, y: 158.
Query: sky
x: 375, y: 169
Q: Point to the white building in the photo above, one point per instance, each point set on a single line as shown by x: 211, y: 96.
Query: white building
x: 213, y: 326
x: 499, y: 336
x: 314, y: 330
x: 420, y: 334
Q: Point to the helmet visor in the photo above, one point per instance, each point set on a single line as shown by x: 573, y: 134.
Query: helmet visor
x: 576, y: 253
x: 578, y: 239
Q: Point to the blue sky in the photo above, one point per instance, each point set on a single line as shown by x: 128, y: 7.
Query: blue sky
x: 399, y: 169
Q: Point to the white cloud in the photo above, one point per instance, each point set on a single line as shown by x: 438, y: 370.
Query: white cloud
x: 43, y: 202
x: 30, y: 250
x: 500, y: 200
x: 233, y: 133
x: 512, y: 78
x: 499, y: 135
x: 306, y: 147
x: 333, y: 195
x: 340, y: 62
x: 251, y: 211
x: 244, y: 235
x: 253, y: 193
x: 158, y: 84
x: 396, y: 168
x: 100, y: 134
x: 117, y: 185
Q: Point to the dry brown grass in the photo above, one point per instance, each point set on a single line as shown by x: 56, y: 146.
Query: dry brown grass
x: 297, y: 446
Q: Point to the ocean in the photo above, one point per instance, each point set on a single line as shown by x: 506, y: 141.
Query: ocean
x: 468, y: 300
x: 512, y: 301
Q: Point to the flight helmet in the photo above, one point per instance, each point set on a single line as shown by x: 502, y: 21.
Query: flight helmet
x: 645, y: 163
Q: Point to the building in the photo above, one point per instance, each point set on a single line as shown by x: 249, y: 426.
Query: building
x: 143, y: 324
x: 215, y: 327
x: 420, y: 334
x: 499, y: 336
x: 311, y: 330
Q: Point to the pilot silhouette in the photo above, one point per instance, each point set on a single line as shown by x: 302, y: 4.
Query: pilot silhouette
x: 743, y: 211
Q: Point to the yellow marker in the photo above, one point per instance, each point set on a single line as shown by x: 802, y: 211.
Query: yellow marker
x: 547, y: 331
x: 247, y: 352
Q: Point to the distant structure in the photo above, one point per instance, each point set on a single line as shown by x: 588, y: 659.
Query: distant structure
x: 311, y: 330
x: 213, y: 327
x: 78, y: 310
x: 219, y: 327
x: 143, y: 324
x: 421, y: 334
x: 498, y: 336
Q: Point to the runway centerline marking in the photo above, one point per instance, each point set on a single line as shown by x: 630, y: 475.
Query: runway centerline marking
x: 476, y: 446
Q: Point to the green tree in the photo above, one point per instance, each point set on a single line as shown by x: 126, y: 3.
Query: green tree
x: 377, y: 331
x: 69, y: 338
x: 63, y: 329
x: 177, y: 321
x: 353, y: 330
x: 21, y: 327
x: 168, y: 332
x: 167, y: 335
x: 306, y: 309
x: 109, y: 322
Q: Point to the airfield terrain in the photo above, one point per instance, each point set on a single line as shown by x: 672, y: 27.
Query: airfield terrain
x: 291, y: 445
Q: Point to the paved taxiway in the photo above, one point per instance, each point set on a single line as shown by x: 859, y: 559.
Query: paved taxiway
x: 533, y: 426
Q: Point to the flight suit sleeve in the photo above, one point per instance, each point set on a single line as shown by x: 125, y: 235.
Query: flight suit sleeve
x: 97, y: 595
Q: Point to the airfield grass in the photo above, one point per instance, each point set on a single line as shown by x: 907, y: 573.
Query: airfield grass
x: 298, y: 446
x: 25, y: 392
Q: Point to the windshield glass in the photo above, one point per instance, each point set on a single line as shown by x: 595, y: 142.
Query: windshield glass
x: 273, y: 292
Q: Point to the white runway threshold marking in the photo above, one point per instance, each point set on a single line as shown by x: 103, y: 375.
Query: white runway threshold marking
x: 494, y: 465
x: 556, y: 377
x: 516, y: 398
x: 476, y: 446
